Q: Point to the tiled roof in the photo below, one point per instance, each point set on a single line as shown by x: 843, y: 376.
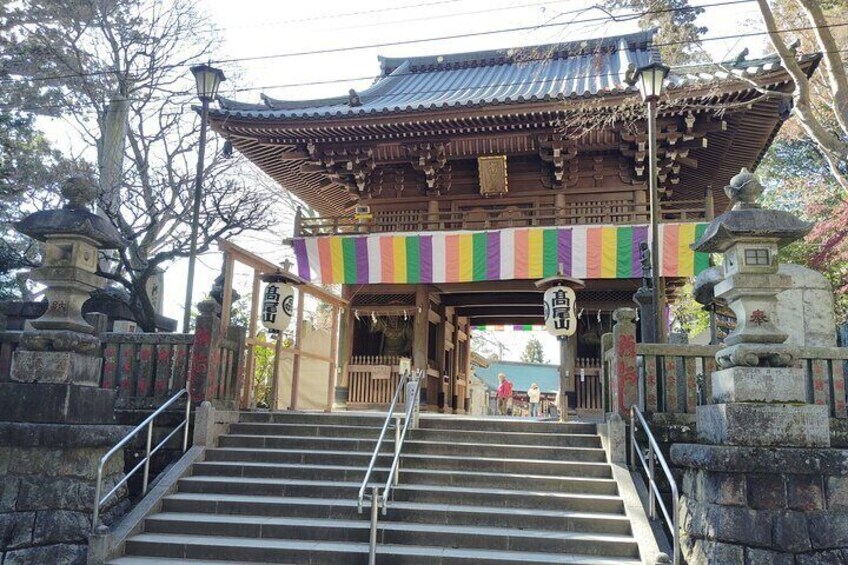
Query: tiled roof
x: 545, y: 72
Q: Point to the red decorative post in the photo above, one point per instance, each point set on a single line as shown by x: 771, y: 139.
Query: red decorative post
x: 625, y: 386
x: 205, y: 353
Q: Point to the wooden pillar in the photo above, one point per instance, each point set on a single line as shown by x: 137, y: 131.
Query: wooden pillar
x: 560, y: 204
x: 567, y: 354
x: 433, y: 215
x: 345, y: 348
x: 274, y: 395
x: 334, y: 355
x: 454, y: 401
x: 440, y: 360
x: 246, y: 385
x: 420, y: 327
x: 301, y: 296
x: 709, y: 205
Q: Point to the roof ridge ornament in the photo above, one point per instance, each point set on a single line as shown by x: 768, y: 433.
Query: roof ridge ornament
x: 353, y: 99
x: 744, y: 190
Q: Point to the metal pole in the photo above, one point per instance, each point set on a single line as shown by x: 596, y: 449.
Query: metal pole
x: 397, y: 448
x: 187, y: 419
x: 652, y: 187
x: 632, y: 440
x: 652, y: 482
x: 95, y: 518
x: 147, y: 458
x: 195, y: 216
x: 375, y: 505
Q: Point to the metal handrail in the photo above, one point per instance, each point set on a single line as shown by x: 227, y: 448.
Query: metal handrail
x: 409, y: 418
x: 361, y: 496
x: 655, y: 454
x: 145, y: 463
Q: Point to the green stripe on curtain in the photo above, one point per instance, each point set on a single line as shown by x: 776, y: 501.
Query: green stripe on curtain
x: 549, y: 253
x: 624, y: 252
x: 349, y: 259
x: 478, y: 272
x: 413, y: 259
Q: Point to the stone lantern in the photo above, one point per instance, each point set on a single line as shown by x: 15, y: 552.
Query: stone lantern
x: 64, y: 348
x: 758, y: 395
x: 762, y: 485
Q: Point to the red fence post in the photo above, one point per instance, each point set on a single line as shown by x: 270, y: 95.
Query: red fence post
x: 625, y: 387
x: 204, y: 353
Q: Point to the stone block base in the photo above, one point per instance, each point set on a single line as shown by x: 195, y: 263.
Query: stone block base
x: 754, y: 384
x: 56, y: 403
x: 55, y: 367
x: 47, y: 482
x: 764, y: 425
x: 757, y: 506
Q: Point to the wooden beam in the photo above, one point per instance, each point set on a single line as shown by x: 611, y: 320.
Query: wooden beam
x: 500, y: 311
x: 480, y: 299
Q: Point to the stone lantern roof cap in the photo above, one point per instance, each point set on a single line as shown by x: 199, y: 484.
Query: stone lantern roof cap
x: 74, y: 219
x: 752, y: 223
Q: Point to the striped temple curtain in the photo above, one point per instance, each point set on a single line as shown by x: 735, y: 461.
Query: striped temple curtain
x: 585, y: 252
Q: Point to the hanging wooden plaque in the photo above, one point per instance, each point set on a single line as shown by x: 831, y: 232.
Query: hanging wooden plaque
x: 493, y: 175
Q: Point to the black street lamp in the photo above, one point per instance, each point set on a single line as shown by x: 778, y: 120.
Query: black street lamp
x: 208, y: 80
x: 649, y: 80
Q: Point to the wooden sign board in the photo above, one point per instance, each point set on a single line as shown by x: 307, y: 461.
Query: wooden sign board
x: 493, y: 175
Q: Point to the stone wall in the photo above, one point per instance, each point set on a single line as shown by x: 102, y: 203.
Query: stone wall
x: 734, y: 511
x: 47, y: 482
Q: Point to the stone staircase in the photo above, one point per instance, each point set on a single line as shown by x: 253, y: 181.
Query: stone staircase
x: 281, y: 488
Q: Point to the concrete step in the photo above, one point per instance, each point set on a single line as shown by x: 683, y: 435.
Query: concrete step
x: 507, y: 425
x: 312, y: 430
x: 469, y: 537
x: 430, y: 494
x: 577, y: 484
x: 514, y: 438
x: 399, y: 511
x: 361, y: 445
x: 413, y: 461
x: 413, y: 445
x: 444, y: 435
x: 536, y: 452
x: 368, y: 419
x: 293, y: 551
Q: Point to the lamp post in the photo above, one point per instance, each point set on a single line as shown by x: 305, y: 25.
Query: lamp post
x: 649, y: 79
x: 208, y: 80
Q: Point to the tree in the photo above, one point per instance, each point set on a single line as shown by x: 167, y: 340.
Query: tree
x: 676, y: 23
x: 30, y: 169
x: 533, y: 351
x: 489, y: 345
x: 135, y: 55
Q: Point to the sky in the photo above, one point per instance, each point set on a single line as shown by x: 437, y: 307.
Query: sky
x: 262, y: 28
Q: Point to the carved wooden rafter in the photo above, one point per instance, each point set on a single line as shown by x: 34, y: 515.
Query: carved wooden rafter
x: 351, y: 167
x: 431, y: 159
x: 676, y: 138
x: 559, y: 158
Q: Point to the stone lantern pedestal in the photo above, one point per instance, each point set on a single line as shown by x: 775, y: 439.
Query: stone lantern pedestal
x: 55, y: 420
x: 762, y: 486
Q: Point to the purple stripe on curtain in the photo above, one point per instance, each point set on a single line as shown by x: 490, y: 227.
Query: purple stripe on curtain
x: 564, y: 251
x: 425, y: 246
x: 302, y: 259
x: 640, y: 234
x: 493, y: 255
x: 361, y: 244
